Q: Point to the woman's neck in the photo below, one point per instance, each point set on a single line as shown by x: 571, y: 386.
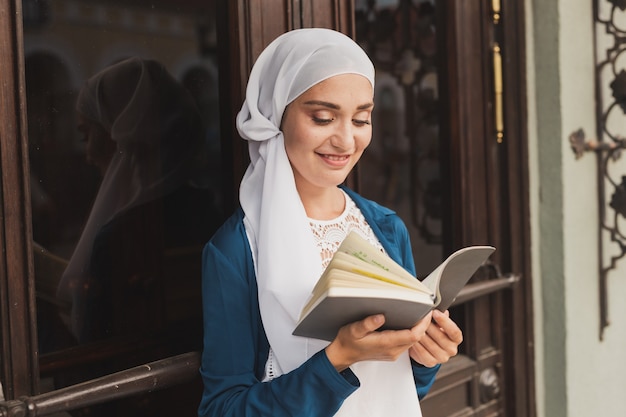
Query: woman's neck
x: 323, y: 204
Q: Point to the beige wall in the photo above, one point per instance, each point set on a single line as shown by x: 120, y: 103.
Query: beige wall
x: 577, y: 374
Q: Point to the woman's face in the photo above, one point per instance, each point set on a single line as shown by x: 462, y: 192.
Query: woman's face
x: 326, y: 130
x: 99, y: 147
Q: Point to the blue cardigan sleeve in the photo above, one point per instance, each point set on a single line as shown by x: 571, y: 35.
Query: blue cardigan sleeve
x: 234, y: 352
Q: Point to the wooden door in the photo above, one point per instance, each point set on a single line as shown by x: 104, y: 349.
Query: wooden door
x: 437, y: 159
x: 449, y: 155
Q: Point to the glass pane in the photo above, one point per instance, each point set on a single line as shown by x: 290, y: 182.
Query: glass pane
x: 401, y: 168
x: 125, y: 179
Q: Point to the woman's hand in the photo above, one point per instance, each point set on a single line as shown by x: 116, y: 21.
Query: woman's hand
x: 360, y: 341
x: 440, y: 342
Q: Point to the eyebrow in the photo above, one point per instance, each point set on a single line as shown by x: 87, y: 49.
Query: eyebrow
x: 334, y: 106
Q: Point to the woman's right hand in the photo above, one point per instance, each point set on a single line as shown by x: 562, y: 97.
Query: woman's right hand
x: 361, y: 341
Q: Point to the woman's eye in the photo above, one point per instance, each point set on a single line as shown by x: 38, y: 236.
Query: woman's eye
x: 327, y: 120
x: 360, y: 122
x: 322, y: 121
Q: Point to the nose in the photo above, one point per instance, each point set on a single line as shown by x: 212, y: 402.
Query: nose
x: 343, y: 136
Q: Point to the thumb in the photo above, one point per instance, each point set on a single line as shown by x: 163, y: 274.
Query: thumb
x: 423, y: 324
x: 368, y: 325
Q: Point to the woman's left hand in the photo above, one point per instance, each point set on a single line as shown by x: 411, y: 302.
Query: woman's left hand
x: 440, y: 342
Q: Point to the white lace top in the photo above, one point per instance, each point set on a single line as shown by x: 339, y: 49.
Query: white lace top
x: 328, y: 236
x: 330, y: 233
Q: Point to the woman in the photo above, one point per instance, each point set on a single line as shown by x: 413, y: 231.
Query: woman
x: 307, y: 117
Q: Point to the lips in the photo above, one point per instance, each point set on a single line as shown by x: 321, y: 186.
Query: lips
x: 335, y: 161
x: 337, y: 158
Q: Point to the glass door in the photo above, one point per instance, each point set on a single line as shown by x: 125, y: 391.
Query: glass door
x: 126, y: 186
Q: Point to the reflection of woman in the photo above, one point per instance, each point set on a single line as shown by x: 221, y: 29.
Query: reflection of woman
x: 143, y: 131
x: 307, y: 117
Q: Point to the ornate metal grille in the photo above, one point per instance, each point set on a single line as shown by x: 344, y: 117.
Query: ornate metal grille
x: 610, y: 79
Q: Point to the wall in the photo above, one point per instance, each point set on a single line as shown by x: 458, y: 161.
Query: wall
x: 577, y: 373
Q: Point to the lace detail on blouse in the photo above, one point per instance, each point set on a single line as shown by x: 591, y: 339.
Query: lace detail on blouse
x: 330, y: 233
x: 270, y: 371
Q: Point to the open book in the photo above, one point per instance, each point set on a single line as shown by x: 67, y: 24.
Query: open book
x: 360, y: 281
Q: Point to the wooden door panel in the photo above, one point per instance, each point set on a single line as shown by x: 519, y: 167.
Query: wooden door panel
x: 333, y: 14
x: 19, y: 341
x: 473, y: 382
x: 451, y: 393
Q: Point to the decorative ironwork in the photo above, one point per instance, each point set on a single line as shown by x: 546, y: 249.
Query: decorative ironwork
x: 611, y: 111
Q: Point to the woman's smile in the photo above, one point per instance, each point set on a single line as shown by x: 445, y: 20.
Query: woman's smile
x: 326, y: 130
x: 339, y: 160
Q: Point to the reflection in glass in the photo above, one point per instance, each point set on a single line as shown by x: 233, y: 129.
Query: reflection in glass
x: 144, y: 134
x: 125, y: 180
x: 401, y: 168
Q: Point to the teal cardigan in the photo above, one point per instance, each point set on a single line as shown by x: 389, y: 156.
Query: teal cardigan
x: 236, y: 347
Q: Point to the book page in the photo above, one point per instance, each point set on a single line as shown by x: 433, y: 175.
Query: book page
x: 347, y: 262
x: 338, y: 278
x: 361, y: 249
x: 452, y: 275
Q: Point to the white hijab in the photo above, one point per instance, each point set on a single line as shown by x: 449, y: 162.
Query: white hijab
x: 287, y: 261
